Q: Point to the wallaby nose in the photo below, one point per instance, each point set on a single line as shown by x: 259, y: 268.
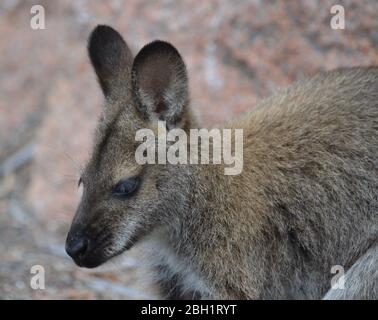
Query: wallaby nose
x: 77, y: 247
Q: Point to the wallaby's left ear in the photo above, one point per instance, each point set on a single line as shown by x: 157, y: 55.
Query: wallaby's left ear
x: 160, y: 83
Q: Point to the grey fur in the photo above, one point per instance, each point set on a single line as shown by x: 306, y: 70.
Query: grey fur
x: 307, y: 198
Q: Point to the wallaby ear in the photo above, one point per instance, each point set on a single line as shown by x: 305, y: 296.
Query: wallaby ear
x: 111, y: 58
x: 160, y: 83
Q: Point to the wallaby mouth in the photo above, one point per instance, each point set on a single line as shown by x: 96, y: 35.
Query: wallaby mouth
x: 90, y: 252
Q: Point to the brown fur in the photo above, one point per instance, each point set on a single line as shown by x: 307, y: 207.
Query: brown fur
x: 307, y: 198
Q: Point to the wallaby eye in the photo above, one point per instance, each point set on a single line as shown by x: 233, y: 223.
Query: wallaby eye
x: 126, y: 187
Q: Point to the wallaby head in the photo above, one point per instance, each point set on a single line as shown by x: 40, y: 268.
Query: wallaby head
x: 120, y: 200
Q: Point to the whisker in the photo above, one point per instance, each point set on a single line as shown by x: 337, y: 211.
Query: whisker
x: 63, y: 153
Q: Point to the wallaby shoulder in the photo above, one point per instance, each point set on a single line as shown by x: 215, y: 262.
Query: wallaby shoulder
x: 309, y: 179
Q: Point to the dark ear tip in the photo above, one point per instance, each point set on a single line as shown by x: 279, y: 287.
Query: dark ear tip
x: 102, y: 30
x: 101, y: 35
x: 160, y: 45
x: 157, y: 48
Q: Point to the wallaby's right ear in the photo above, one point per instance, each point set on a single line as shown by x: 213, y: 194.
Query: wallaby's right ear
x: 160, y: 83
x: 111, y: 58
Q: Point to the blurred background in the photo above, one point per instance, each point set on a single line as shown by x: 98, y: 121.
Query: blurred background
x: 236, y: 53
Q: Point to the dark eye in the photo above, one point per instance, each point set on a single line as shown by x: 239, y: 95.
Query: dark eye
x: 126, y: 187
x: 79, y: 182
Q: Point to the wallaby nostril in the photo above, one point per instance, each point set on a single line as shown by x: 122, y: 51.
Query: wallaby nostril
x: 77, y: 247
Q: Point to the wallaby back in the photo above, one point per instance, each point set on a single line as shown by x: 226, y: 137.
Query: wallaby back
x: 307, y: 198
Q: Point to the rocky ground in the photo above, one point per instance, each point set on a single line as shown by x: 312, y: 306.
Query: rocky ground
x: 236, y: 52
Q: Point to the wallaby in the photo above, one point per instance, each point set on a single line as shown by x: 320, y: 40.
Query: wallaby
x: 306, y: 200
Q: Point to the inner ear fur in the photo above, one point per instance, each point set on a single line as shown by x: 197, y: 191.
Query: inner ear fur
x: 160, y: 82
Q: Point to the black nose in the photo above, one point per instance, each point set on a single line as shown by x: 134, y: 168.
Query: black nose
x: 77, y: 247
